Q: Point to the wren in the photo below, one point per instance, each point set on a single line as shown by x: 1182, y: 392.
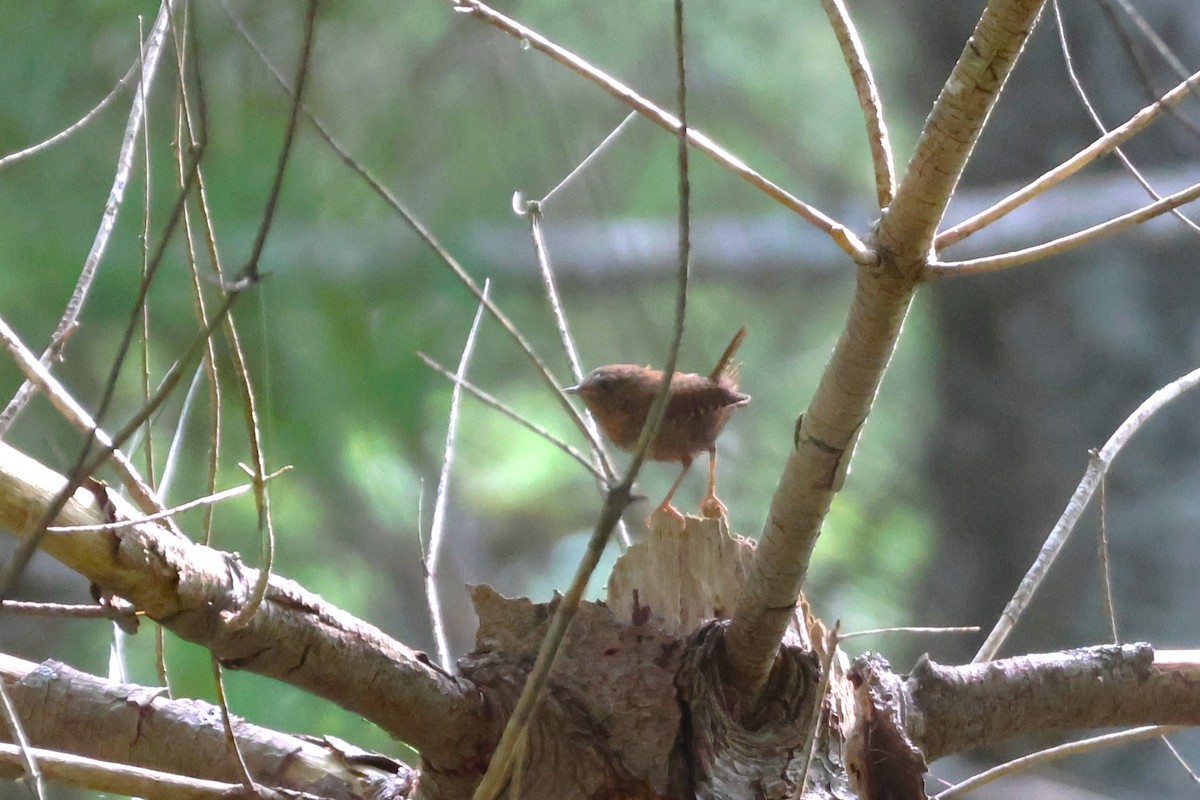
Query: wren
x: 619, y: 396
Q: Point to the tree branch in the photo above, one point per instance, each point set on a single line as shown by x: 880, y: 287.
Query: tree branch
x: 960, y: 708
x: 841, y: 235
x: 70, y: 711
x: 295, y: 636
x: 826, y: 434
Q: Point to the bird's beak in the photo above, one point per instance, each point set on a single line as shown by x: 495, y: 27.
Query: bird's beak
x: 571, y: 390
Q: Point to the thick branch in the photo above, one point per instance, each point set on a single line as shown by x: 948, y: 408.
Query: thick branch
x: 958, y: 708
x: 908, y: 225
x: 814, y: 472
x: 295, y: 636
x: 825, y: 435
x: 70, y: 711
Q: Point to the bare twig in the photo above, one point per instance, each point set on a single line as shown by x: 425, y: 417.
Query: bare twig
x: 1063, y: 244
x: 65, y: 610
x: 1053, y: 754
x: 437, y: 525
x: 252, y: 788
x: 251, y: 274
x: 428, y: 238
x: 1110, y: 606
x: 37, y: 375
x: 176, y: 446
x: 827, y: 432
x: 185, y: 132
x: 846, y: 239
x: 500, y: 767
x: 599, y: 453
x: 524, y: 422
x: 144, y: 339
x: 17, y: 731
x: 62, y: 135
x: 207, y: 500
x: 1081, y: 93
x: 592, y: 156
x: 33, y: 534
x: 868, y: 98
x: 818, y: 706
x: 1078, y: 503
x: 910, y: 629
x: 1179, y: 758
x: 108, y: 220
x: 1160, y: 47
x: 1102, y: 146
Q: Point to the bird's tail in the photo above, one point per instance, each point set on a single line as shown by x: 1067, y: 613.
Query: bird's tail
x: 727, y: 356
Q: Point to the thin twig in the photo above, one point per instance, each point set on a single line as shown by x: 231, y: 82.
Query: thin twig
x: 437, y: 525
x: 501, y: 765
x: 1081, y: 93
x: 524, y: 422
x: 37, y: 375
x: 67, y: 610
x: 910, y: 629
x: 846, y: 239
x: 1078, y: 503
x: 108, y: 220
x: 250, y: 273
x: 814, y: 731
x: 976, y: 266
x: 1137, y: 58
x: 592, y: 156
x: 17, y: 731
x: 1102, y: 546
x: 1101, y: 147
x: 1053, y: 754
x: 207, y: 500
x: 600, y: 455
x: 426, y: 236
x: 1152, y: 36
x: 33, y: 535
x: 185, y: 131
x: 176, y: 447
x: 144, y: 340
x: 855, y: 56
x: 1179, y: 758
x: 230, y: 737
x: 45, y: 144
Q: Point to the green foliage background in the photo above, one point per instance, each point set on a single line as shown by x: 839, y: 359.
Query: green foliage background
x: 454, y: 117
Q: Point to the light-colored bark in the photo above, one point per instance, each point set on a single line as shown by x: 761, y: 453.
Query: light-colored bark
x: 295, y: 636
x: 65, y: 710
x: 827, y: 431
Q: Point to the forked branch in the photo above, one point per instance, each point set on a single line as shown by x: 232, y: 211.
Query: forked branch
x: 841, y: 235
x: 826, y: 433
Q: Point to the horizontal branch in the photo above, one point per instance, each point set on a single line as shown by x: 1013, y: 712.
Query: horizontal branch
x: 1104, y: 145
x: 295, y: 636
x: 127, y: 725
x: 938, y: 269
x: 970, y: 706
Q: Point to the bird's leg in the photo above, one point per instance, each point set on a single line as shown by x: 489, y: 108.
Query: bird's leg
x: 665, y: 505
x: 710, y: 506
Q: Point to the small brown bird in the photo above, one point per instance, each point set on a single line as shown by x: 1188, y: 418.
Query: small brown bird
x: 619, y: 396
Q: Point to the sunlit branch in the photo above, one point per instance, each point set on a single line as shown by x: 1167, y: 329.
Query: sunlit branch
x: 846, y: 239
x: 868, y: 98
x: 1102, y: 146
x: 975, y: 266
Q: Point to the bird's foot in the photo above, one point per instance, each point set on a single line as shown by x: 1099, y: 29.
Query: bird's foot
x: 666, y: 508
x: 713, y: 508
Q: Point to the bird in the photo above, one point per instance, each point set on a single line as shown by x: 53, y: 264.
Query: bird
x: 619, y: 397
